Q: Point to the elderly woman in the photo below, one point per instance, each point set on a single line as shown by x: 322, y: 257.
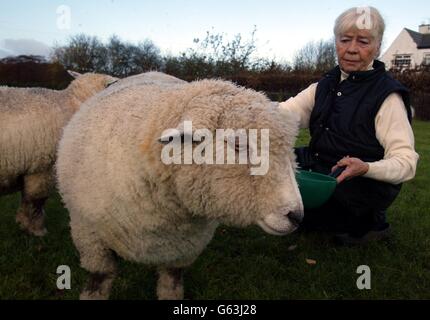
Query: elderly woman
x: 359, y: 120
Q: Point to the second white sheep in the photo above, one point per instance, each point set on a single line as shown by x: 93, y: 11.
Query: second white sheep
x: 31, y: 123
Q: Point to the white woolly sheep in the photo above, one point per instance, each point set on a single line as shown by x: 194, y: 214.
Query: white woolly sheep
x: 31, y: 122
x: 123, y: 200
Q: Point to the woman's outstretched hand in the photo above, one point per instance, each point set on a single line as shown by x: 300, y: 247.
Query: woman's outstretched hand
x: 354, y: 167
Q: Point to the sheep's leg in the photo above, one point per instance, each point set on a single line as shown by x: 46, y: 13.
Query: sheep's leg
x: 31, y: 215
x: 98, y: 260
x: 99, y: 286
x: 170, y: 284
x: 102, y: 267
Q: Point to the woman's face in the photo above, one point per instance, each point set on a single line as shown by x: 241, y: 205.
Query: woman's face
x: 356, y: 49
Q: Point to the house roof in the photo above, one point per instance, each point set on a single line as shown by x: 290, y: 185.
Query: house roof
x: 422, y: 40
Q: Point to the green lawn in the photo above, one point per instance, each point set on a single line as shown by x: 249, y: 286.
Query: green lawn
x: 242, y: 264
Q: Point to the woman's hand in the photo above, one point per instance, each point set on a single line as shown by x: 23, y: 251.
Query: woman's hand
x: 354, y: 168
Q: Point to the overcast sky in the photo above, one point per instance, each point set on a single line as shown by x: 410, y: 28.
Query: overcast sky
x: 283, y: 26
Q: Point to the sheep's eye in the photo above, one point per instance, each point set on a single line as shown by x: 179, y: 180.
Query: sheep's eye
x: 239, y: 148
x: 238, y: 144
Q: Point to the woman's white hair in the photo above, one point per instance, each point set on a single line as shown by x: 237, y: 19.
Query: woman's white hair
x: 357, y: 18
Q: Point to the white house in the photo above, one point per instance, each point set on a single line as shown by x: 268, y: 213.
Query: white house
x: 411, y: 49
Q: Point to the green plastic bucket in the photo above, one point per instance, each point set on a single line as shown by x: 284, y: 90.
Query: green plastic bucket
x: 315, y: 188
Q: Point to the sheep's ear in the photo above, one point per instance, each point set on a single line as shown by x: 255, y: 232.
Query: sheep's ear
x: 170, y: 135
x: 238, y: 142
x: 178, y: 134
x: 74, y: 74
x: 182, y: 132
x: 112, y: 81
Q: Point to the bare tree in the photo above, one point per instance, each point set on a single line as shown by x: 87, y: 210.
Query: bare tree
x: 148, y: 57
x: 82, y: 53
x: 226, y: 56
x: 119, y: 58
x: 316, y: 57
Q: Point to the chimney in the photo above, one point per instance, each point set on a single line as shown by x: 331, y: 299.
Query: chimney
x: 424, y: 28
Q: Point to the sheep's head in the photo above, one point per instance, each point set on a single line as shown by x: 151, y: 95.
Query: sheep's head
x: 259, y: 187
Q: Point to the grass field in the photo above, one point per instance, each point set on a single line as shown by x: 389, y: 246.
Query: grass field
x: 242, y: 263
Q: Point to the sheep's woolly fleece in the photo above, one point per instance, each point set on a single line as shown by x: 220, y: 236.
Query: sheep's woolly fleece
x: 31, y: 122
x: 120, y: 195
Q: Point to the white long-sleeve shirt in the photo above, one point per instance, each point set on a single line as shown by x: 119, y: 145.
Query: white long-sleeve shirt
x: 393, y: 131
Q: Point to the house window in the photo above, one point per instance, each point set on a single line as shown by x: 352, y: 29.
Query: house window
x: 426, y: 60
x: 402, y: 61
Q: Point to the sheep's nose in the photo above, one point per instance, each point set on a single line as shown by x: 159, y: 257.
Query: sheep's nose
x: 296, y: 217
